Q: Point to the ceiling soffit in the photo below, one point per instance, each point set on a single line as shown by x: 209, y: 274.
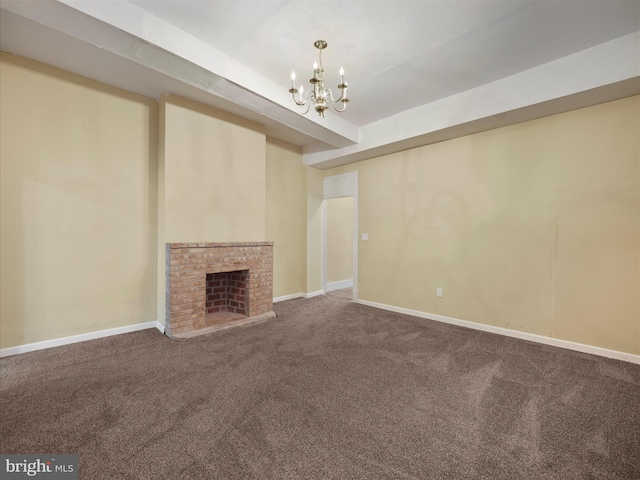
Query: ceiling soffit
x: 415, y: 85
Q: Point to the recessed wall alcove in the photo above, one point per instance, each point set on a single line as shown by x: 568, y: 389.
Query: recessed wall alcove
x: 212, y: 286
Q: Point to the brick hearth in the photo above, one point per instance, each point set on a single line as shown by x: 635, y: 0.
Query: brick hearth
x: 211, y: 286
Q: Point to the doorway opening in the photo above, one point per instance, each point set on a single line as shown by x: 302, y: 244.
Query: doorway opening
x: 340, y: 236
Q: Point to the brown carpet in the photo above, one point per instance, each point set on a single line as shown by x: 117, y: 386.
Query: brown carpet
x: 327, y: 390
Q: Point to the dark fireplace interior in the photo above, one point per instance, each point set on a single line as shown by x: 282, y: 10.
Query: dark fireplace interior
x: 227, y: 292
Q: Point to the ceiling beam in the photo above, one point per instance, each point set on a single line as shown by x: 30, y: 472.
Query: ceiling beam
x: 130, y: 32
x: 143, y: 46
x: 599, y: 74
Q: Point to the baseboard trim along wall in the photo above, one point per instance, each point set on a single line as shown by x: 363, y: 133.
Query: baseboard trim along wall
x: 579, y: 347
x: 289, y: 297
x: 298, y: 295
x: 58, y: 342
x: 314, y: 294
x: 340, y: 284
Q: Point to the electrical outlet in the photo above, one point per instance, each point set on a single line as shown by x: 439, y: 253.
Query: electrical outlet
x: 439, y: 292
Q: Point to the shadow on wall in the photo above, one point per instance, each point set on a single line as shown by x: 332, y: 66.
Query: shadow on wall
x: 79, y: 204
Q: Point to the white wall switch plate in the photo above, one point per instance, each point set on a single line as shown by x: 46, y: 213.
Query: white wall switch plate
x: 439, y: 292
x: 365, y: 236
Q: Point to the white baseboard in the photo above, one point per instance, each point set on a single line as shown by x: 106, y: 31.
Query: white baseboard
x: 289, y: 297
x: 298, y: 295
x: 57, y: 342
x: 160, y: 326
x: 579, y: 347
x: 314, y: 294
x: 340, y: 284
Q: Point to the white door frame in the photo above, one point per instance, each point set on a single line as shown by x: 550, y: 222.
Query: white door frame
x: 337, y: 186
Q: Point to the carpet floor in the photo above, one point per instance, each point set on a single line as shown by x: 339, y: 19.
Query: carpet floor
x: 327, y: 390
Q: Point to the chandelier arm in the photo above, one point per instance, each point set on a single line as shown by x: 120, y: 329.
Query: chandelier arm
x: 293, y: 92
x: 339, y: 100
x: 331, y: 95
x: 302, y: 103
x: 344, y: 106
x: 311, y: 95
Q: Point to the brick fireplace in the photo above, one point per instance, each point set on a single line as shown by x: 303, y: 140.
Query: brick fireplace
x: 211, y: 286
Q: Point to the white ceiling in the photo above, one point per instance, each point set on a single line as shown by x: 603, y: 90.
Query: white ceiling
x: 418, y: 71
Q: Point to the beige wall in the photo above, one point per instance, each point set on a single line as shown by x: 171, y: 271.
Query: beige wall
x: 214, y: 167
x: 532, y: 227
x: 339, y: 239
x: 78, y: 205
x: 286, y: 216
x: 315, y: 221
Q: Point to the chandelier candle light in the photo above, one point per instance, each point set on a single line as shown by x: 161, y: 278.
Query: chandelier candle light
x: 320, y: 96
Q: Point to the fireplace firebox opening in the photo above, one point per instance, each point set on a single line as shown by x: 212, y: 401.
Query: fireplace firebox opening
x: 227, y: 292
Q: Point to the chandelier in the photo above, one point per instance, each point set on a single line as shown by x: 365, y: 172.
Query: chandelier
x: 319, y: 96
